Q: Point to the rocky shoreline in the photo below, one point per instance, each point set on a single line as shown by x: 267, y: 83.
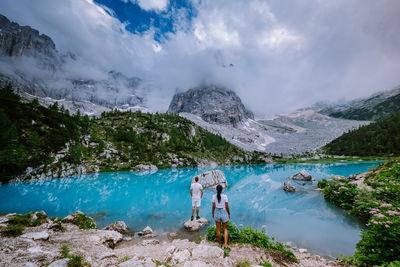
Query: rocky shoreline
x: 41, y: 246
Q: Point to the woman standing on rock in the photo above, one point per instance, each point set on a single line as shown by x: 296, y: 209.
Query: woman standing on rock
x: 222, y: 214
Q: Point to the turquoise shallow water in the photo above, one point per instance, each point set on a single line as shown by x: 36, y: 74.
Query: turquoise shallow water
x: 162, y: 201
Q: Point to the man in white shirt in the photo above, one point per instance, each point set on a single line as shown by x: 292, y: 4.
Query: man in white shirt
x: 196, y: 191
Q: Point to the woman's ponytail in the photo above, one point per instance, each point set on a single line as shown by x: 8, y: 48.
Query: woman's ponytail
x: 219, y: 190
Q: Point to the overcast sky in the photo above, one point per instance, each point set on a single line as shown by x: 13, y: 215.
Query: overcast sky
x: 277, y: 55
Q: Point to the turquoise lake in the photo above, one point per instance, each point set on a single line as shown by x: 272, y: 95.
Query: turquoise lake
x: 162, y: 201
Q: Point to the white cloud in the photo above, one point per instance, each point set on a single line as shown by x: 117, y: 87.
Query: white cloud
x: 284, y: 56
x: 158, y: 5
x: 279, y: 37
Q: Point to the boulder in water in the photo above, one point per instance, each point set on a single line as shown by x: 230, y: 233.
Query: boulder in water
x: 289, y: 187
x: 211, y: 179
x: 119, y: 226
x: 147, y: 231
x: 195, y: 225
x: 303, y: 175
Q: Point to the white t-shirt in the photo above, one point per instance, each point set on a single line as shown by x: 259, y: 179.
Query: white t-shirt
x: 196, y: 190
x: 220, y: 205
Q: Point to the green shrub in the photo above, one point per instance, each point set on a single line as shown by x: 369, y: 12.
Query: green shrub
x: 126, y: 258
x: 161, y: 263
x: 265, y: 264
x: 322, y: 183
x: 65, y: 251
x: 340, y: 192
x: 226, y: 252
x: 243, y: 264
x: 14, y: 230
x: 391, y: 264
x: 248, y: 235
x: 20, y: 219
x: 381, y: 242
x: 84, y: 222
x: 363, y: 203
x: 380, y: 207
x: 74, y: 260
x: 27, y: 219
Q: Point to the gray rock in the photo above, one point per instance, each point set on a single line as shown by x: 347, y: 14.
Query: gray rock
x: 180, y: 256
x: 213, y: 104
x: 289, y: 187
x: 119, y: 226
x: 205, y: 251
x: 195, y: 225
x: 147, y: 231
x: 172, y: 235
x: 150, y: 242
x: 19, y: 40
x: 303, y: 250
x: 60, y: 263
x: 211, y: 179
x: 70, y: 218
x: 196, y: 264
x: 303, y: 175
x: 37, y: 235
x: 30, y: 264
x: 3, y: 219
x: 138, y: 261
x: 144, y: 167
x: 109, y: 237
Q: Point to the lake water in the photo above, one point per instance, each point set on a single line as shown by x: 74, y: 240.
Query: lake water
x: 162, y: 201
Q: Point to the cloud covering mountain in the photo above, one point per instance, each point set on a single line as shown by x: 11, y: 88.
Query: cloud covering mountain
x: 276, y: 56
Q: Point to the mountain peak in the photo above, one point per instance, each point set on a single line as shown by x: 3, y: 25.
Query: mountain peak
x: 215, y: 104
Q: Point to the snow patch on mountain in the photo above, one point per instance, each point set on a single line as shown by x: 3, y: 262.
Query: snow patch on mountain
x: 295, y: 133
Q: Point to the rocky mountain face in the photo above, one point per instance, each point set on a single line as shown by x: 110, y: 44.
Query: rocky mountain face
x: 19, y: 41
x: 30, y: 62
x: 213, y: 104
x: 221, y: 111
x: 373, y: 107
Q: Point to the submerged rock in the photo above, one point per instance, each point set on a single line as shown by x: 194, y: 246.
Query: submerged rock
x: 147, y: 231
x: 195, y: 225
x: 172, y: 235
x: 119, y: 226
x: 289, y: 187
x: 211, y: 179
x: 303, y: 175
